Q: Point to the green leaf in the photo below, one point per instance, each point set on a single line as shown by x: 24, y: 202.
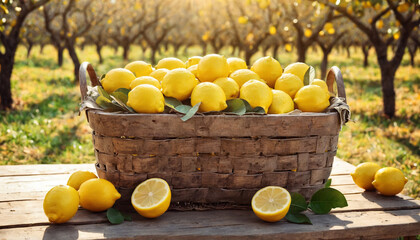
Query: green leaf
x: 102, y: 77
x: 183, y: 108
x: 309, y: 76
x: 107, y: 104
x: 103, y: 93
x: 127, y: 217
x: 259, y: 110
x: 114, y: 216
x: 191, y: 112
x: 298, y: 203
x: 249, y: 109
x: 297, y: 218
x: 172, y: 102
x: 235, y: 106
x: 121, y: 94
x: 326, y: 199
x: 328, y: 183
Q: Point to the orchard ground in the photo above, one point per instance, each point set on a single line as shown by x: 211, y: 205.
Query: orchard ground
x: 45, y: 126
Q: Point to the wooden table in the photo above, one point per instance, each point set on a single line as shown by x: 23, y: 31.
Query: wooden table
x: 368, y: 216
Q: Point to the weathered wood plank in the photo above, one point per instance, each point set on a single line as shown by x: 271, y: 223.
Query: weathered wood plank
x: 43, y: 169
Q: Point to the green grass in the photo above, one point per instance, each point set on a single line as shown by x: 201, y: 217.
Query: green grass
x: 45, y: 126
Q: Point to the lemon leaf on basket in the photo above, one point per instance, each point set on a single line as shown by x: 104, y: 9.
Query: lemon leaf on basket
x: 172, y: 102
x: 235, y: 106
x: 107, y: 104
x: 114, y: 216
x: 328, y: 183
x: 121, y: 94
x: 103, y: 93
x: 249, y: 109
x: 191, y: 112
x: 183, y: 108
x: 309, y: 76
x: 326, y: 199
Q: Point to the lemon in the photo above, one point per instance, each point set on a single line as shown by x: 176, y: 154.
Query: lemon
x: 242, y: 76
x: 269, y: 69
x: 282, y: 103
x: 312, y: 98
x: 235, y: 63
x: 146, y: 98
x: 193, y: 69
x: 98, y: 195
x: 79, y: 177
x: 159, y: 73
x: 257, y: 94
x: 389, y: 181
x: 61, y: 204
x: 145, y: 80
x: 117, y: 78
x: 178, y: 83
x: 298, y: 68
x: 210, y: 95
x: 151, y: 198
x: 271, y: 203
x: 139, y: 68
x: 193, y: 61
x: 289, y: 83
x: 364, y: 175
x: 170, y: 63
x: 321, y: 83
x: 229, y: 86
x: 211, y: 67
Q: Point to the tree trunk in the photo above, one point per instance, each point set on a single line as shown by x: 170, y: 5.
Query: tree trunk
x: 275, y: 51
x: 153, y: 55
x: 41, y: 48
x: 98, y: 51
x: 232, y: 53
x: 348, y: 51
x: 28, y: 53
x: 365, y: 56
x: 388, y: 92
x: 204, y: 49
x: 176, y: 49
x: 6, y: 63
x: 60, y: 51
x: 301, y: 50
x: 126, y: 49
x: 324, y: 63
x: 412, y: 50
x: 75, y: 59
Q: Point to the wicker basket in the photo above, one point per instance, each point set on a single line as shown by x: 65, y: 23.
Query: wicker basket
x: 215, y: 159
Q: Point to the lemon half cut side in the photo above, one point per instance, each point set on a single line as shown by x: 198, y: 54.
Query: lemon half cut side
x: 151, y: 198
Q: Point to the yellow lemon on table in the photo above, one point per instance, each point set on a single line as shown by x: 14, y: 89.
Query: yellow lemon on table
x: 170, y: 63
x: 235, y: 63
x: 229, y: 86
x: 288, y: 83
x: 364, y: 174
x: 210, y: 95
x: 389, y: 181
x: 151, y: 198
x: 98, y: 195
x: 242, y: 76
x: 271, y: 203
x: 145, y: 80
x: 146, y: 98
x: 211, y: 67
x: 79, y: 177
x: 117, y: 78
x: 298, y: 68
x: 159, y: 73
x: 257, y: 94
x: 61, y: 204
x: 269, y: 69
x: 312, y: 98
x: 282, y: 103
x: 178, y: 83
x: 139, y: 68
x: 193, y: 61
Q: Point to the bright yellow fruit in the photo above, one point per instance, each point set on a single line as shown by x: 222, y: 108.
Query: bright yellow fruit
x: 159, y: 73
x: 271, y: 203
x: 229, y: 86
x: 242, y: 76
x: 210, y: 95
x: 321, y: 83
x: 298, y: 68
x: 289, y: 83
x: 145, y: 80
x: 117, y: 78
x: 139, y: 68
x: 235, y: 63
x: 170, y: 63
x: 312, y: 98
x: 151, y: 198
x: 61, y: 204
x: 79, y: 177
x: 364, y: 175
x: 193, y: 70
x: 269, y: 69
x: 98, y: 195
x: 389, y: 181
x: 146, y: 98
x: 257, y: 94
x: 178, y: 83
x: 193, y: 61
x: 212, y: 67
x: 282, y: 103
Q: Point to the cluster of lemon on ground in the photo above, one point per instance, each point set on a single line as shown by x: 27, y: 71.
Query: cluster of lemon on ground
x: 213, y: 79
x: 150, y: 198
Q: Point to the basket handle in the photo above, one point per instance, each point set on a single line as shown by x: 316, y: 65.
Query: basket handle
x: 334, y: 76
x: 87, y: 67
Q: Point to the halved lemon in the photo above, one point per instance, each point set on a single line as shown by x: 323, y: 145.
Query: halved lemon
x: 271, y: 203
x: 151, y: 198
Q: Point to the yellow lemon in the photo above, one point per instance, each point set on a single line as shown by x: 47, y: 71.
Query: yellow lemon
x: 210, y: 95
x: 312, y: 98
x: 61, y: 204
x: 193, y: 61
x: 193, y: 69
x: 321, y: 83
x: 298, y: 68
x: 364, y: 175
x: 242, y: 76
x: 289, y: 83
x: 178, y: 83
x: 269, y: 69
x: 139, y: 68
x: 98, y: 195
x: 146, y: 98
x: 211, y: 67
x: 282, y: 103
x: 117, y: 78
x: 170, y: 63
x: 235, y: 63
x: 79, y: 177
x: 145, y: 80
x: 229, y: 86
x: 389, y: 181
x: 151, y: 198
x: 257, y: 94
x: 159, y: 73
x: 271, y: 203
